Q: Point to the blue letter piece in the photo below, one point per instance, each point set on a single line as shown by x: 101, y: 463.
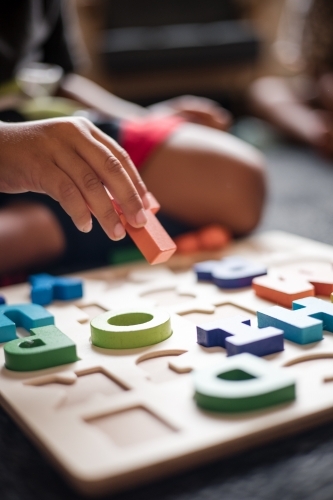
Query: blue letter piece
x: 46, y: 288
x: 304, y: 324
x: 25, y: 315
x: 204, y: 269
x: 237, y: 336
x: 230, y: 272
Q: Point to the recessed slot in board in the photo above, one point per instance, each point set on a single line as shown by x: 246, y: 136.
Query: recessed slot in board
x: 157, y: 365
x: 317, y: 366
x: 92, y: 310
x: 86, y: 386
x: 132, y: 426
x: 221, y: 311
x: 168, y: 296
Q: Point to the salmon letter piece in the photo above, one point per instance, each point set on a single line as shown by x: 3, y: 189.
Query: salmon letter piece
x: 152, y: 240
x: 282, y: 291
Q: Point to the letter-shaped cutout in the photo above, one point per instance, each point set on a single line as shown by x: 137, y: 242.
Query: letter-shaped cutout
x: 230, y: 272
x: 128, y: 329
x: 25, y: 315
x: 46, y: 347
x: 237, y: 335
x: 46, y: 288
x: 305, y: 324
x: 242, y: 383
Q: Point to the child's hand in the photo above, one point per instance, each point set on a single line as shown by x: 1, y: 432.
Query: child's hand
x: 71, y: 160
x: 196, y: 110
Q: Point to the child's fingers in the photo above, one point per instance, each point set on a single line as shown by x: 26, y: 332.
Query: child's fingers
x: 93, y: 192
x: 57, y: 184
x: 125, y: 160
x: 114, y: 176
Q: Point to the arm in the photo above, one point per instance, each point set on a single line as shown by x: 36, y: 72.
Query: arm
x: 95, y: 97
x: 73, y: 162
x: 191, y: 108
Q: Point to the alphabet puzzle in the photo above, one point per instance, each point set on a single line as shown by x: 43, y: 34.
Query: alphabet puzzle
x: 157, y: 369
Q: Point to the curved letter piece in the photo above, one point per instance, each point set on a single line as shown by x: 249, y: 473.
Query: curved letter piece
x: 305, y: 324
x: 237, y: 336
x: 128, y: 329
x: 25, y: 315
x: 46, y: 347
x: 242, y: 383
x: 230, y: 272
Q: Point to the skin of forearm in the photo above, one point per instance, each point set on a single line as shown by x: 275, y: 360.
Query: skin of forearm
x: 93, y: 96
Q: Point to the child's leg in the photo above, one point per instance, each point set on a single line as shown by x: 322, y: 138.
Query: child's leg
x: 201, y: 175
x: 30, y: 236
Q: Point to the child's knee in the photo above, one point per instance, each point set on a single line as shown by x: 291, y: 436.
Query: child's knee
x: 35, y: 228
x: 249, y: 192
x: 252, y: 198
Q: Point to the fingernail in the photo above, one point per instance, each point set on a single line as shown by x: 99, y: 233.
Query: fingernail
x: 119, y: 231
x: 88, y: 227
x: 141, y: 218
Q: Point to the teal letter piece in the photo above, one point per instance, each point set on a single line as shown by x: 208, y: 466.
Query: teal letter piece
x: 46, y: 347
x: 316, y: 308
x: 128, y: 329
x: 304, y: 324
x: 25, y: 315
x: 242, y: 383
x: 237, y: 335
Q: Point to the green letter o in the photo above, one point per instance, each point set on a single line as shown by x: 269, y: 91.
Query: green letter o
x: 129, y: 329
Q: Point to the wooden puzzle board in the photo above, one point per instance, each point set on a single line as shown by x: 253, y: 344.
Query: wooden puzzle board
x: 115, y: 419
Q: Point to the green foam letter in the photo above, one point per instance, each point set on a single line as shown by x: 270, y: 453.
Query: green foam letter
x: 46, y: 347
x: 242, y: 383
x: 129, y: 329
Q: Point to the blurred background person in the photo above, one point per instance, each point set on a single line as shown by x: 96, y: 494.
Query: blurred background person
x: 301, y: 105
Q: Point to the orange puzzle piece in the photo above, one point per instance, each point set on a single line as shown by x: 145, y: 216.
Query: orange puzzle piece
x: 295, y: 281
x: 319, y: 274
x: 282, y: 291
x: 152, y: 240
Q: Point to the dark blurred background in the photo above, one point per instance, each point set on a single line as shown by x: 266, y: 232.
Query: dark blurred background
x: 147, y: 51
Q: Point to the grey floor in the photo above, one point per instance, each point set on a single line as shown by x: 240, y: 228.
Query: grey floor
x: 300, y: 198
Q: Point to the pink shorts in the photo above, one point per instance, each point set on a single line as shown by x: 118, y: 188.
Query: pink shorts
x: 141, y: 138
